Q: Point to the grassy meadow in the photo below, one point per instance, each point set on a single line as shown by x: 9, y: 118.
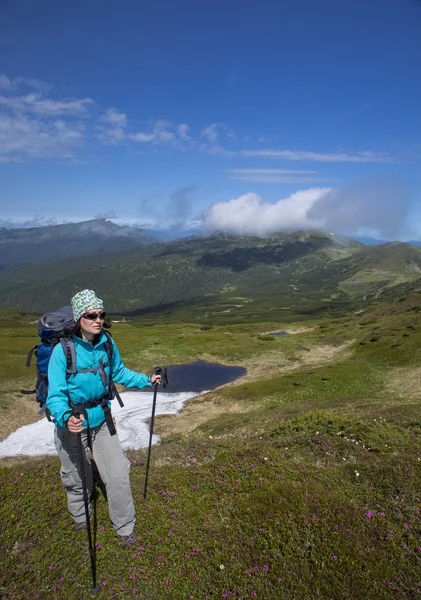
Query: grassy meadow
x: 300, y: 480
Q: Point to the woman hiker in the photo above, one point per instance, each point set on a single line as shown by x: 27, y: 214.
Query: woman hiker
x: 87, y: 391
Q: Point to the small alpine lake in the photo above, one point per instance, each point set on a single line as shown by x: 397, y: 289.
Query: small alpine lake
x: 199, y: 376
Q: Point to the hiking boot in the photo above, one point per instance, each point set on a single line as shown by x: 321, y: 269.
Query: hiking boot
x: 80, y: 526
x: 127, y: 540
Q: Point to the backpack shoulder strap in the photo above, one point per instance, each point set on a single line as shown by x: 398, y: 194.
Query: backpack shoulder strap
x: 110, y: 349
x: 69, y: 352
x: 109, y: 346
x: 31, y: 351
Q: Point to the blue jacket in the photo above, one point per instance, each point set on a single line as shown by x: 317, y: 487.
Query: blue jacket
x: 85, y: 387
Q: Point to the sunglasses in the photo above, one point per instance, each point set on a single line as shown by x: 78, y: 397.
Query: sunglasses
x: 95, y: 316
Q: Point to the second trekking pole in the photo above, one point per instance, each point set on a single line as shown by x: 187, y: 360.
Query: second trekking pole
x: 95, y: 587
x: 157, y: 371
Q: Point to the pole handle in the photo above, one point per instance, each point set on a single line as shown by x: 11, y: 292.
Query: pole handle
x: 164, y: 375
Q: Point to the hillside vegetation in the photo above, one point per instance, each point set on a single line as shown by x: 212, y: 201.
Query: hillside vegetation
x: 300, y: 480
x: 309, y: 272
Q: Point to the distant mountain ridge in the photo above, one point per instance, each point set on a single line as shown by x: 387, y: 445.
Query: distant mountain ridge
x: 304, y: 268
x: 48, y: 243
x: 158, y: 274
x: 369, y: 241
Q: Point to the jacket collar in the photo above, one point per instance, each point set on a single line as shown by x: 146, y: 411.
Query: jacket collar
x: 88, y: 345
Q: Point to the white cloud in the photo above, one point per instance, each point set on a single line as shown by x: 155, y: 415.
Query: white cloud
x: 35, y: 221
x: 271, y: 171
x: 18, y: 82
x: 142, y: 137
x: 38, y: 221
x: 114, y: 117
x: 211, y: 132
x: 114, y: 131
x: 250, y: 215
x: 53, y: 122
x: 34, y: 126
x: 111, y: 135
x: 5, y: 82
x: 160, y: 134
x: 380, y: 206
x: 23, y: 137
x: 35, y: 103
x: 109, y: 214
x: 210, y: 140
x: 357, y: 157
x: 183, y: 132
x: 276, y: 176
x: 164, y: 136
x: 11, y: 159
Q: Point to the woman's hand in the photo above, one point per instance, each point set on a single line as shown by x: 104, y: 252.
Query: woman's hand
x: 74, y: 424
x: 156, y: 379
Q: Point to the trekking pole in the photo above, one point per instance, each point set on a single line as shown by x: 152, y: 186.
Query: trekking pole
x: 157, y: 371
x: 95, y: 587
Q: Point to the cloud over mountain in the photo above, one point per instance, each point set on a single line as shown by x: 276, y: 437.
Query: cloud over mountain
x: 249, y: 214
x: 370, y: 206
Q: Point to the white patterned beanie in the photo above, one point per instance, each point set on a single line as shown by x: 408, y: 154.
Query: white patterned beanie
x: 83, y: 302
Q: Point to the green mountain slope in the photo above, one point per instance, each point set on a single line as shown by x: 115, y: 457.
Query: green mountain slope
x: 171, y: 272
x: 368, y: 273
x: 305, y: 270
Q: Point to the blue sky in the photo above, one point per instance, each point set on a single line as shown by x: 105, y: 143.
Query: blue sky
x: 246, y: 116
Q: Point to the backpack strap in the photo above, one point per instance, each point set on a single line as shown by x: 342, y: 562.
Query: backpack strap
x: 29, y: 358
x: 28, y: 364
x: 70, y: 354
x: 113, y: 392
x: 68, y: 346
x: 81, y: 407
x: 77, y: 410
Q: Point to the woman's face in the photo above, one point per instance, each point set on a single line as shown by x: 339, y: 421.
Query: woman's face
x: 92, y: 322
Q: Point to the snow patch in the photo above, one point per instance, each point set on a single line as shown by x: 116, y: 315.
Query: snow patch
x: 132, y: 423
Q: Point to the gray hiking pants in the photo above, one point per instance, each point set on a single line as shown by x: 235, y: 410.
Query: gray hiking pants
x: 113, y: 466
